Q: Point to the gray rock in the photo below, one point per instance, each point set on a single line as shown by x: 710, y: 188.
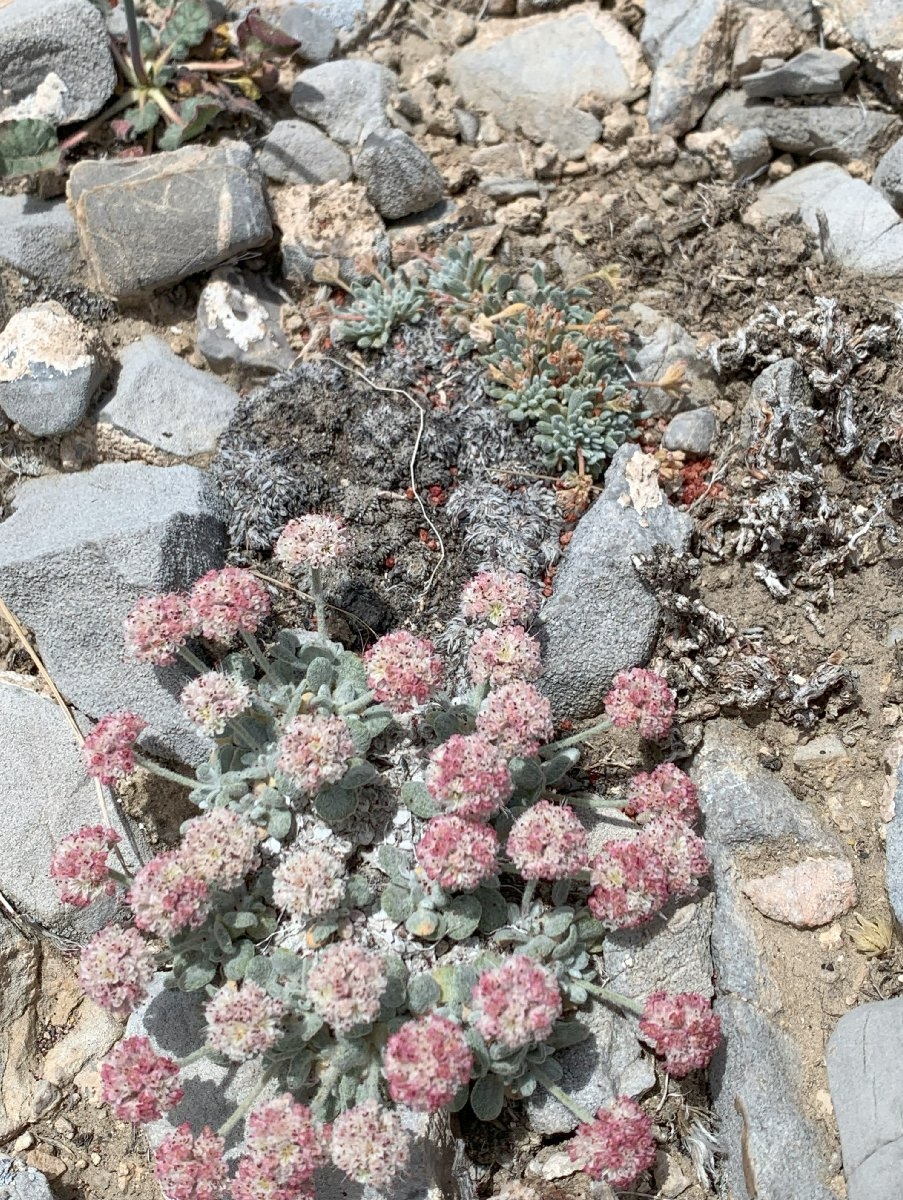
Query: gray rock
x: 239, y: 323
x: 601, y: 617
x: 815, y: 72
x: 857, y: 226
x: 781, y: 394
x: 348, y: 99
x: 692, y: 432
x: 867, y: 1091
x: 838, y: 133
x: 164, y: 401
x: 400, y: 179
x: 670, y: 953
x: 39, y: 238
x: 888, y: 177
x: 894, y: 852
x: 690, y: 50
x: 76, y: 554
x: 18, y: 1181
x: 664, y: 342
x: 530, y: 74
x: 148, y: 224
x: 298, y: 152
x: 50, y: 367
x: 763, y: 34
x: 749, y: 151
x: 62, y: 45
x: 874, y: 29
x: 45, y: 795
x: 314, y: 31
x: 800, y: 12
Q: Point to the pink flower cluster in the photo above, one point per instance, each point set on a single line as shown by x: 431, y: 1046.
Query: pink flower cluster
x: 682, y: 853
x: 370, y: 1144
x: 79, y: 865
x: 641, y: 700
x: 666, y: 791
x: 116, y: 968
x: 138, y: 1083
x: 457, y: 854
x: 242, y: 1021
x: 310, y: 883
x: 157, y: 627
x: 108, y: 751
x: 426, y: 1062
x: 284, y: 1148
x: 346, y: 985
x: 467, y: 775
x: 617, y: 1146
x: 634, y: 878
x: 191, y: 1168
x: 517, y: 718
x: 548, y: 842
x: 227, y: 602
x: 499, y: 597
x: 516, y: 1003
x: 682, y: 1028
x: 166, y: 896
x: 220, y: 848
x: 315, y: 750
x: 403, y: 670
x: 313, y: 542
x: 214, y: 699
x: 503, y: 655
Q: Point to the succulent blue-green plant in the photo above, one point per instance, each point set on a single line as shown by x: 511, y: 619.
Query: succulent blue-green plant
x: 379, y: 307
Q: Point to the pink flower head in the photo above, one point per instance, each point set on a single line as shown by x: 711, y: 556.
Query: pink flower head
x: 191, y: 1168
x: 370, y: 1144
x: 219, y: 848
x: 630, y: 883
x: 315, y: 750
x: 403, y: 670
x: 309, y: 883
x: 426, y: 1062
x: 108, y: 751
x: 166, y: 897
x: 617, y: 1146
x: 516, y: 1003
x: 682, y: 1028
x: 285, y: 1147
x: 116, y: 968
x: 457, y: 854
x: 346, y: 985
x: 313, y: 542
x: 680, y: 850
x: 641, y: 700
x: 226, y: 602
x: 548, y: 842
x: 517, y: 718
x: 157, y: 627
x: 212, y: 700
x: 138, y: 1083
x: 665, y: 791
x: 468, y: 776
x: 79, y: 865
x: 242, y: 1021
x: 503, y: 655
x: 499, y: 597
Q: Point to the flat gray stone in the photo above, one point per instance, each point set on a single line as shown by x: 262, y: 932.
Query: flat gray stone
x: 529, y: 74
x: 749, y: 151
x: 894, y: 852
x: 888, y: 177
x: 863, y: 231
x: 671, y: 953
x: 148, y: 224
x: 874, y: 29
x: 45, y: 795
x: 50, y: 367
x: 815, y: 72
x: 298, y: 152
x: 39, y: 238
x: 19, y: 1181
x: 867, y: 1092
x: 602, y: 618
x: 75, y: 555
x: 400, y: 179
x: 314, y: 31
x: 692, y: 432
x: 239, y: 324
x: 348, y: 99
x: 690, y: 50
x: 61, y: 44
x: 164, y: 401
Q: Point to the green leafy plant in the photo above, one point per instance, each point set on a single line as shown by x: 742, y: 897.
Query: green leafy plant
x: 377, y: 308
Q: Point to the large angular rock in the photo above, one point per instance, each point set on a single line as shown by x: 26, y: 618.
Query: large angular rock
x: 61, y: 44
x: 602, y: 618
x: 663, y: 343
x: 894, y: 848
x: 18, y: 1181
x: 529, y: 74
x: 39, y: 238
x: 690, y: 50
x: 867, y: 1092
x: 815, y: 72
x: 298, y: 152
x: 348, y: 99
x: 147, y: 224
x: 20, y: 983
x: 163, y: 400
x: 76, y: 554
x: 400, y: 179
x: 857, y: 226
x: 872, y: 28
x: 888, y: 177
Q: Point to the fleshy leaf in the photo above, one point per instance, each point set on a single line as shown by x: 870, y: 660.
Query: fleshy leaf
x: 424, y: 993
x: 186, y: 28
x: 27, y: 146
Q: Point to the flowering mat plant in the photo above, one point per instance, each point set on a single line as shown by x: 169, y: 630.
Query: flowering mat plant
x: 258, y: 907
